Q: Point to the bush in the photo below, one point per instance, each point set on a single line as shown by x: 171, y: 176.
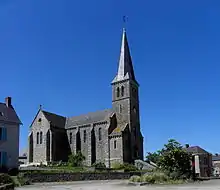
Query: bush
x: 160, y: 177
x: 76, y: 160
x: 23, y: 180
x: 135, y: 178
x: 148, y: 178
x: 99, y: 165
x: 5, y: 179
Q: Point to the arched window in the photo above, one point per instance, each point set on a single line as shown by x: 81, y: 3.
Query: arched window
x: 84, y: 136
x: 118, y: 92
x: 41, y: 137
x: 37, y: 137
x: 122, y: 91
x: 100, y: 134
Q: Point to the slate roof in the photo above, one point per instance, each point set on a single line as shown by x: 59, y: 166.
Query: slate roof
x: 196, y: 149
x: 89, y: 118
x: 55, y: 120
x: 8, y: 114
x: 125, y: 67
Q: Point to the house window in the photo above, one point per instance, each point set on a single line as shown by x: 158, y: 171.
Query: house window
x: 115, y: 144
x: 39, y: 120
x: 100, y: 134
x: 71, y: 138
x: 122, y: 91
x: 3, y: 158
x: 118, y: 92
x: 84, y: 136
x: 3, y: 134
x: 41, y: 137
x: 37, y: 137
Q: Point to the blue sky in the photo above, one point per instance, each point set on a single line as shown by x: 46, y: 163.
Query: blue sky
x: 63, y: 54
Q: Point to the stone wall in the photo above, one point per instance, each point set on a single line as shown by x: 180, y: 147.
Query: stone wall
x: 58, y: 177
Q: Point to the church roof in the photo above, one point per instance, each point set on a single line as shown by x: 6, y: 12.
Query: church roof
x: 89, y: 118
x: 125, y: 67
x: 8, y: 114
x: 118, y: 130
x: 54, y: 119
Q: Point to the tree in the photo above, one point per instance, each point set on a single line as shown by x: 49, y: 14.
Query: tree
x: 153, y: 157
x: 76, y: 160
x: 175, y: 159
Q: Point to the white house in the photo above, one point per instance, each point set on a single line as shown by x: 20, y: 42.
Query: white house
x: 9, y: 135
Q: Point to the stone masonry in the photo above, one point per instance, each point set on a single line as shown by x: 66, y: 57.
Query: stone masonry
x: 107, y: 136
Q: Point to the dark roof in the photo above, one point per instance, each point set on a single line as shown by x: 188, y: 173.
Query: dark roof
x: 196, y: 149
x: 55, y: 120
x: 8, y: 114
x: 215, y: 158
x: 89, y: 118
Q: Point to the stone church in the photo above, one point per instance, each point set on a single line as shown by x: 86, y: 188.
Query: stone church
x: 107, y: 136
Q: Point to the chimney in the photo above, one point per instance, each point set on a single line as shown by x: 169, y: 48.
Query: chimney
x: 8, y: 101
x: 187, y: 145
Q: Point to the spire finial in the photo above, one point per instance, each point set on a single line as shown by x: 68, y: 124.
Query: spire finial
x: 40, y: 107
x: 124, y: 23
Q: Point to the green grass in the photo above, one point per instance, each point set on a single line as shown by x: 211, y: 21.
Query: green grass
x: 156, y: 178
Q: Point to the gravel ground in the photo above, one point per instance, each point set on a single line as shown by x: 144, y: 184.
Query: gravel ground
x: 120, y: 185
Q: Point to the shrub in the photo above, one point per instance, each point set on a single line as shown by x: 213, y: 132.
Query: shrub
x: 160, y: 177
x: 148, y: 178
x: 129, y: 167
x: 23, y: 180
x: 99, y: 165
x: 5, y: 179
x: 135, y: 178
x: 76, y: 160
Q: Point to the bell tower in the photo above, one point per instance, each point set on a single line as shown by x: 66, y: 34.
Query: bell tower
x: 125, y: 98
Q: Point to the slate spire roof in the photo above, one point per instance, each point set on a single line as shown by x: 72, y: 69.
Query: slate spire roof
x: 125, y: 67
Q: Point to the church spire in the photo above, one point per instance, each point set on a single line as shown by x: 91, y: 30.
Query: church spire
x: 125, y: 67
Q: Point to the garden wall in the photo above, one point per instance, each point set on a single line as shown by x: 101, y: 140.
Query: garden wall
x: 60, y: 177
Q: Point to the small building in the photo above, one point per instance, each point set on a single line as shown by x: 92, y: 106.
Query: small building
x: 9, y: 135
x: 202, y: 161
x: 216, y: 165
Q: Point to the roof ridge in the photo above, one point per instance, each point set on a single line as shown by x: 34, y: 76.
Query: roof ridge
x: 52, y: 113
x: 84, y: 114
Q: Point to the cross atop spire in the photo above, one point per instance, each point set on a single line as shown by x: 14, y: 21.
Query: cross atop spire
x: 125, y: 68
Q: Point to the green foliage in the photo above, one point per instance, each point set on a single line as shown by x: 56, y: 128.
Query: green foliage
x: 175, y: 160
x: 153, y: 157
x: 126, y: 167
x: 99, y: 165
x: 155, y: 178
x: 76, y: 160
x: 5, y: 179
x: 135, y: 178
